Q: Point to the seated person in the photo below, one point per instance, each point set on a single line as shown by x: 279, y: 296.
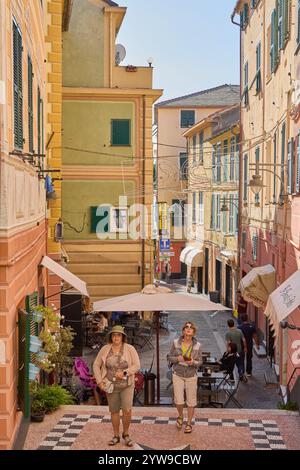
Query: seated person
x: 228, y: 359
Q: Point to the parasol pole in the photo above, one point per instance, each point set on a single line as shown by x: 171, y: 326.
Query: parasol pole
x: 157, y: 359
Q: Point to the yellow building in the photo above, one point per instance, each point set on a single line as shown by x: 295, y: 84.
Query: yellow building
x: 211, y: 253
x: 270, y: 154
x: 107, y: 154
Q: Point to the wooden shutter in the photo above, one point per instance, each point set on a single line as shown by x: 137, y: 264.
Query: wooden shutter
x: 274, y: 40
x: 280, y: 13
x: 120, y: 132
x: 95, y: 219
x: 18, y: 87
x: 30, y: 106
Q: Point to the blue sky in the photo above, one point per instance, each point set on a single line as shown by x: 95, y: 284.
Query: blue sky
x: 193, y: 42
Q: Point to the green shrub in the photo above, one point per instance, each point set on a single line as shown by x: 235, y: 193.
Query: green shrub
x: 53, y: 396
x: 289, y: 406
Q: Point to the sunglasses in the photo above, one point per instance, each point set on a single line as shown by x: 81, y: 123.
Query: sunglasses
x: 189, y: 326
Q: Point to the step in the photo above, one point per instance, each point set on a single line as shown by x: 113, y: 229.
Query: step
x: 270, y: 378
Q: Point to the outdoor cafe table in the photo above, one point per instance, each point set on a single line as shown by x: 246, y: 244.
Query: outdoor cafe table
x: 216, y: 378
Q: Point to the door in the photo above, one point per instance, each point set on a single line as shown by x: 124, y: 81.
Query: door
x: 228, y: 295
x: 218, y: 276
x: 206, y: 270
x: 270, y: 340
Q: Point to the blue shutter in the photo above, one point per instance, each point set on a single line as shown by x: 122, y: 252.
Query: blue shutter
x: 298, y: 166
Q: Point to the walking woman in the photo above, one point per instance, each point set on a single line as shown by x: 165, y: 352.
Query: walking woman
x: 186, y: 357
x: 114, y: 370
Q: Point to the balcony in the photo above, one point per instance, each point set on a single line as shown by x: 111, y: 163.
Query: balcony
x: 132, y: 77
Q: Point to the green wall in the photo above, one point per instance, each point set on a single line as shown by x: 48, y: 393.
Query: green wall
x: 87, y: 126
x: 79, y: 196
x: 83, y: 46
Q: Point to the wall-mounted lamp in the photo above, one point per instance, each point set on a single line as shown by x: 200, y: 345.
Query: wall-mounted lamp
x: 150, y: 61
x: 256, y: 184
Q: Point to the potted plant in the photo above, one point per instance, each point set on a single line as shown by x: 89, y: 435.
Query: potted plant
x: 37, y: 410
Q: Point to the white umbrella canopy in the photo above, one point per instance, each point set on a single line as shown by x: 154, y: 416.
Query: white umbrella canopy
x: 156, y: 299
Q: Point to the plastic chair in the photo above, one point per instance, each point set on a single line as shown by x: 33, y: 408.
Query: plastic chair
x: 138, y: 386
x: 81, y: 369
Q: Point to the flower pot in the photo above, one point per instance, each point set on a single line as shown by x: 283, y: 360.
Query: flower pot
x: 37, y: 418
x: 33, y: 371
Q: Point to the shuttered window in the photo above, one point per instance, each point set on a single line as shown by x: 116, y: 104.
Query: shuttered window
x: 237, y: 158
x: 245, y: 192
x: 232, y: 158
x: 290, y: 175
x: 30, y: 106
x: 201, y: 208
x: 213, y: 211
x: 274, y: 40
x: 100, y: 222
x: 225, y: 162
x: 219, y: 162
x: 257, y: 157
x: 120, y: 132
x: 214, y: 163
x: 231, y: 213
x: 187, y: 118
x: 281, y: 23
x: 282, y: 175
x: 18, y: 87
x: 201, y: 141
x: 246, y: 84
x: 258, y: 68
x: 218, y: 212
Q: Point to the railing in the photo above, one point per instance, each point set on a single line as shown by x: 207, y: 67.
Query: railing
x: 289, y: 382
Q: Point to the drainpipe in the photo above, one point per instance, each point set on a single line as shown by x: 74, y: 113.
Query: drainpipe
x: 143, y: 190
x: 240, y: 202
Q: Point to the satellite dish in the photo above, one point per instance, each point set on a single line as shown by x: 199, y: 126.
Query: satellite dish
x: 120, y: 53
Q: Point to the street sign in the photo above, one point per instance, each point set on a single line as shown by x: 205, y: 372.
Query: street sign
x: 164, y: 245
x: 167, y: 254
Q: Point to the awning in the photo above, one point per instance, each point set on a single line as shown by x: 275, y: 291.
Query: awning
x: 258, y: 284
x: 185, y: 252
x: 283, y: 301
x: 194, y: 258
x: 66, y: 275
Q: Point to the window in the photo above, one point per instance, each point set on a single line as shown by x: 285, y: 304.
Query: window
x: 18, y: 87
x: 201, y: 208
x: 258, y: 68
x: 201, y: 142
x: 100, y: 219
x: 280, y: 13
x: 290, y: 174
x: 187, y: 118
x: 298, y: 26
x: 275, y: 167
x: 214, y: 163
x: 231, y: 213
x: 298, y: 165
x: 257, y: 157
x: 245, y: 192
x: 177, y: 213
x: 253, y: 4
x: 254, y: 247
x: 232, y: 159
x: 40, y: 123
x: 225, y: 162
x: 183, y: 161
x: 237, y: 158
x: 120, y: 132
x: 274, y: 41
x: 213, y: 212
x: 30, y: 106
x: 224, y: 229
x: 194, y: 148
x: 194, y: 218
x: 219, y: 163
x: 218, y: 211
x: 245, y: 95
x: 118, y: 219
x: 245, y: 16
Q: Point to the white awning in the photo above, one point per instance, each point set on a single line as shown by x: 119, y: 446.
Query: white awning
x: 185, y: 252
x: 194, y: 258
x: 258, y: 284
x: 229, y: 254
x: 66, y: 275
x: 283, y: 301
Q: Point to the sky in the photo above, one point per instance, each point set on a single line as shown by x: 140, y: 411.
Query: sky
x: 193, y: 43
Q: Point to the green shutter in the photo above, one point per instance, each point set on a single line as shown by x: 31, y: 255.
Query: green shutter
x: 30, y: 106
x: 274, y: 40
x: 39, y: 120
x: 280, y: 13
x: 298, y: 166
x: 257, y: 157
x: 282, y: 160
x: 95, y: 219
x: 286, y: 19
x: 290, y: 159
x: 120, y: 132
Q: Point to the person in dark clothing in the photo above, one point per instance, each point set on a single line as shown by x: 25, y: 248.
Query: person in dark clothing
x: 249, y: 331
x: 228, y: 359
x: 241, y: 307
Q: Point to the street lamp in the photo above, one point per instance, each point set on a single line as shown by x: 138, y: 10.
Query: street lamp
x: 284, y: 324
x: 256, y: 184
x: 224, y: 207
